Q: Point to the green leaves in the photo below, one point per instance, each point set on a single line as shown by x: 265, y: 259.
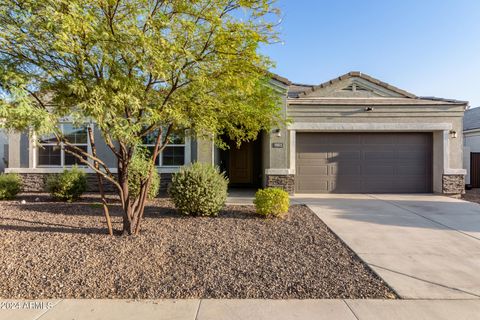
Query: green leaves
x: 131, y: 65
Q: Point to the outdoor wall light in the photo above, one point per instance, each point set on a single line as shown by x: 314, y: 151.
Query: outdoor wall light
x: 277, y: 132
x: 367, y: 109
x: 453, y: 133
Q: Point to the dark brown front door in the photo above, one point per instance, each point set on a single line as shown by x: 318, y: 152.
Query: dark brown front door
x: 475, y: 170
x: 241, y: 164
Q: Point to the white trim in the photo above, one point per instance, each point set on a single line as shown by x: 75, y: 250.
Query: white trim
x: 293, y: 150
x: 86, y: 169
x: 455, y: 172
x: 279, y: 171
x: 213, y: 151
x: 33, y: 150
x: 188, y: 150
x: 33, y: 163
x: 354, y: 127
x: 446, y: 151
x: 471, y: 132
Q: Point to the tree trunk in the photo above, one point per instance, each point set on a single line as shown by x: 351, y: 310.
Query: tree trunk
x: 133, y: 209
x: 105, y: 205
x: 127, y: 225
x: 132, y: 217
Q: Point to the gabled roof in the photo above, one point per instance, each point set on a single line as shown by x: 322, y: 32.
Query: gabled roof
x: 297, y: 88
x: 281, y: 79
x: 374, y: 101
x: 356, y: 88
x: 359, y: 75
x: 471, y: 119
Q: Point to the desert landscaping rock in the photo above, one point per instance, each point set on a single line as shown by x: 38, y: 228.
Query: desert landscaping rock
x: 472, y: 195
x: 58, y: 250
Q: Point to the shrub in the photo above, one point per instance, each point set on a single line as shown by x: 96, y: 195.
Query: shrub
x: 199, y: 189
x: 271, y: 202
x: 10, y: 185
x: 139, y: 169
x: 67, y: 186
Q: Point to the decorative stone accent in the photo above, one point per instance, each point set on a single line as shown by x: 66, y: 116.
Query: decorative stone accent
x: 285, y: 182
x: 33, y: 182
x: 165, y: 180
x: 453, y: 184
x: 36, y: 182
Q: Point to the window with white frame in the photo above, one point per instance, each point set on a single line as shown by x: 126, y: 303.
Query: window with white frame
x: 50, y: 153
x: 174, y: 153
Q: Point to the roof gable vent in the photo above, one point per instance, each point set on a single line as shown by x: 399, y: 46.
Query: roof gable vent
x: 356, y: 87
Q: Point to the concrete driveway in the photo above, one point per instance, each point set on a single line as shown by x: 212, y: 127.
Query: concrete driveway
x: 423, y: 246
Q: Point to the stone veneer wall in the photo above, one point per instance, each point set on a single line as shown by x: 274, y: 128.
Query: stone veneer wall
x: 453, y: 184
x: 36, y: 182
x: 285, y: 182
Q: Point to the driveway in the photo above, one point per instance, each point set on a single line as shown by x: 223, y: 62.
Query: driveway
x: 423, y: 246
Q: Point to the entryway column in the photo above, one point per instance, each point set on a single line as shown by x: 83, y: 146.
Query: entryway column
x: 206, y: 151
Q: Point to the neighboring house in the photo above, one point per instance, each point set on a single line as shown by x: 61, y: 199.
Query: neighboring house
x: 353, y: 134
x: 471, y: 137
x: 3, y: 150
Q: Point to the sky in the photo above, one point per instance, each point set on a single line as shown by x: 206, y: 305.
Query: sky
x: 427, y: 47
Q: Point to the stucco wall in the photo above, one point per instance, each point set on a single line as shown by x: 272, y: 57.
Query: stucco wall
x: 205, y: 151
x: 277, y: 142
x: 265, y: 155
x: 473, y: 142
x: 388, y: 114
x: 21, y: 154
x: 273, y: 158
x: 103, y: 151
x: 14, y: 150
x: 402, y: 118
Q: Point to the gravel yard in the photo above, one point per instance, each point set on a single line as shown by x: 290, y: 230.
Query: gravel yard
x: 472, y: 195
x: 58, y: 250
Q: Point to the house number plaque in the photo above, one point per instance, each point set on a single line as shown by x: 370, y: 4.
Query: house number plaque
x: 277, y: 145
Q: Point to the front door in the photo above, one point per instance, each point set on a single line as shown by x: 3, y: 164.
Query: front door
x: 475, y: 169
x: 241, y: 164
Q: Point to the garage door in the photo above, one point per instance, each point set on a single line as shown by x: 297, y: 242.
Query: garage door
x: 363, y: 163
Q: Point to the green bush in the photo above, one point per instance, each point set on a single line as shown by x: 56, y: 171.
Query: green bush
x: 10, y: 185
x: 67, y: 186
x: 138, y: 172
x: 199, y: 189
x: 271, y: 202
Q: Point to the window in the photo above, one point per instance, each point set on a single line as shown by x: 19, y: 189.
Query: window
x: 52, y: 153
x: 49, y: 152
x: 174, y: 153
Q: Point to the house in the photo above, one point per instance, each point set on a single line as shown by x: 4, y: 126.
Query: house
x: 352, y: 134
x: 471, y: 138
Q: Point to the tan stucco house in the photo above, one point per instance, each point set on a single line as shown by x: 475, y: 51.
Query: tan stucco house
x: 352, y: 134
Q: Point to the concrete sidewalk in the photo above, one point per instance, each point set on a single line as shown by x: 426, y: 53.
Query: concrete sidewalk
x: 246, y: 310
x: 239, y: 196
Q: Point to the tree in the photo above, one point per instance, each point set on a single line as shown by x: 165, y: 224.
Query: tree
x: 137, y: 68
